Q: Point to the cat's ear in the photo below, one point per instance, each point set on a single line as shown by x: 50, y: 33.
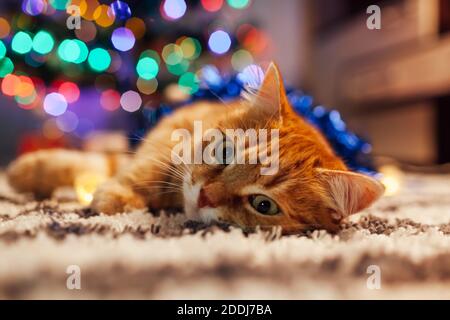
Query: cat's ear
x: 271, y: 97
x: 349, y: 192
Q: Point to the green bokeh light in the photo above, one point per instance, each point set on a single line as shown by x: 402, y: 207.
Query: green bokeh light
x: 2, y: 50
x: 188, y: 82
x: 191, y: 48
x: 99, y: 59
x: 59, y: 4
x: 21, y: 43
x: 179, y: 68
x: 238, y: 4
x: 69, y: 50
x: 43, y: 42
x: 84, y: 51
x: 6, y: 67
x: 147, y: 68
x: 151, y: 54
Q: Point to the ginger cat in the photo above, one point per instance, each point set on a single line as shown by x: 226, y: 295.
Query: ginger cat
x: 311, y: 189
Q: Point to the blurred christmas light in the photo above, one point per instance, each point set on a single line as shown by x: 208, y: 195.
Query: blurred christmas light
x: 70, y: 91
x: 147, y: 86
x: 33, y: 7
x: 2, y: 50
x: 6, y: 67
x: 179, y: 68
x: 241, y: 59
x: 212, y: 5
x: 55, y: 104
x: 86, y: 184
x: 189, y: 83
x: 104, y: 16
x: 87, y: 9
x: 219, y: 42
x: 99, y: 59
x: 173, y: 9
x: 10, y: 84
x: 69, y: 51
x: 191, y: 48
x: 131, y: 101
x: 172, y: 54
x: 238, y: 4
x: 116, y: 62
x: 25, y: 88
x: 151, y: 54
x: 43, y: 42
x: 50, y: 130
x: 123, y: 39
x: 59, y: 4
x: 137, y: 26
x: 4, y: 28
x: 147, y: 68
x: 87, y: 31
x: 83, y: 51
x: 121, y: 10
x: 110, y: 100
x: 21, y: 43
x: 67, y: 122
x: 392, y: 178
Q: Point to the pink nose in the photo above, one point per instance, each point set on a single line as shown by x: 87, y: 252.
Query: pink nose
x: 204, y: 200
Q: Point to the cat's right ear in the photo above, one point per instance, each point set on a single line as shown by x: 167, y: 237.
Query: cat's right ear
x: 271, y: 97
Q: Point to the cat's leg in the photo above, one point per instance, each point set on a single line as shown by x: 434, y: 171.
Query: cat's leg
x: 43, y: 171
x: 114, y: 197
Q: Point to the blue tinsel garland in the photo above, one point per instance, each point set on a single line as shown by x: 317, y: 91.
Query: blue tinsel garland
x: 353, y: 149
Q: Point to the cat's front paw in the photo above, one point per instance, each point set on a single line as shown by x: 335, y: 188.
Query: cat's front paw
x: 113, y: 198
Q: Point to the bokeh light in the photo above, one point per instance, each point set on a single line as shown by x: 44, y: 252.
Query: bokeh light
x: 147, y: 86
x: 5, y: 28
x: 191, y: 48
x: 172, y: 54
x: 2, y: 50
x: 137, y: 26
x: 151, y: 54
x: 189, y: 83
x: 131, y: 101
x: 87, y: 31
x: 241, y: 59
x: 70, y: 91
x: 67, y: 122
x: 121, y: 10
x: 238, y: 4
x: 43, y: 42
x: 69, y: 50
x: 59, y: 4
x: 33, y: 7
x: 10, y: 84
x: 219, y: 42
x: 212, y: 5
x: 99, y: 59
x: 173, y: 9
x: 87, y: 9
x: 104, y: 16
x: 110, y: 100
x: 147, y: 68
x: 55, y: 104
x: 6, y: 67
x: 123, y: 39
x: 21, y: 43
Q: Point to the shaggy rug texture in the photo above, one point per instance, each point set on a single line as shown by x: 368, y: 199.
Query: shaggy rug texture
x: 399, y: 248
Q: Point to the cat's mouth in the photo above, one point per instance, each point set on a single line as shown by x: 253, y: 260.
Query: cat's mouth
x: 196, y: 205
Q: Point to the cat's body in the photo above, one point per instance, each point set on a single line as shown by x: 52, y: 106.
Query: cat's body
x: 311, y: 189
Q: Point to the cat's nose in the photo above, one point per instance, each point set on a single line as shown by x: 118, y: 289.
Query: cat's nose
x: 204, y: 200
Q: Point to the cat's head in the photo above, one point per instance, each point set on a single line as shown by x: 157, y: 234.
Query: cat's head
x: 311, y: 188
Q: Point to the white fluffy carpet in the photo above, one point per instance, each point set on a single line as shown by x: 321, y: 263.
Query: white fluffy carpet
x: 136, y: 255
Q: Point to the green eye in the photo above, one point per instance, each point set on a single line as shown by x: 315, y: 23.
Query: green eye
x: 264, y: 205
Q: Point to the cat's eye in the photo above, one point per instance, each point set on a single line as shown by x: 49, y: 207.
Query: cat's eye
x: 264, y: 205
